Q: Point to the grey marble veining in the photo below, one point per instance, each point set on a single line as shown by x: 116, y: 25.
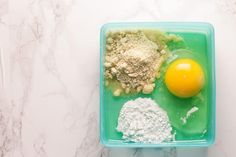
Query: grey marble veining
x: 49, y: 74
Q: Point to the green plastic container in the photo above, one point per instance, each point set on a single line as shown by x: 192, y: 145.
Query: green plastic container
x: 198, y: 37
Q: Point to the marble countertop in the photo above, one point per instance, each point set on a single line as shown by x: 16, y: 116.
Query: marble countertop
x: 49, y: 74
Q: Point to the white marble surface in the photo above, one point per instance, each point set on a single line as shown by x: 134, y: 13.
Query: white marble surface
x: 49, y: 73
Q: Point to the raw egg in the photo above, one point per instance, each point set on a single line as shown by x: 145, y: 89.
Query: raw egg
x: 184, y: 78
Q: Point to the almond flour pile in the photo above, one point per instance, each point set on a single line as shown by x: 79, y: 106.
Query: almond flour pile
x: 132, y: 61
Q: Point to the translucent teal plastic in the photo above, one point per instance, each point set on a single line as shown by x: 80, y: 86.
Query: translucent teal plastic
x: 110, y: 106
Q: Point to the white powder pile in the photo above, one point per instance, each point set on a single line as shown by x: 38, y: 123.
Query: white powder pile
x: 142, y: 120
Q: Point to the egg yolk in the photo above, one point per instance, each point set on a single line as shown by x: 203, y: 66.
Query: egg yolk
x: 184, y: 78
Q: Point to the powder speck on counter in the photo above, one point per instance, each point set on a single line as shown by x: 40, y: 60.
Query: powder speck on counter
x: 142, y: 120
